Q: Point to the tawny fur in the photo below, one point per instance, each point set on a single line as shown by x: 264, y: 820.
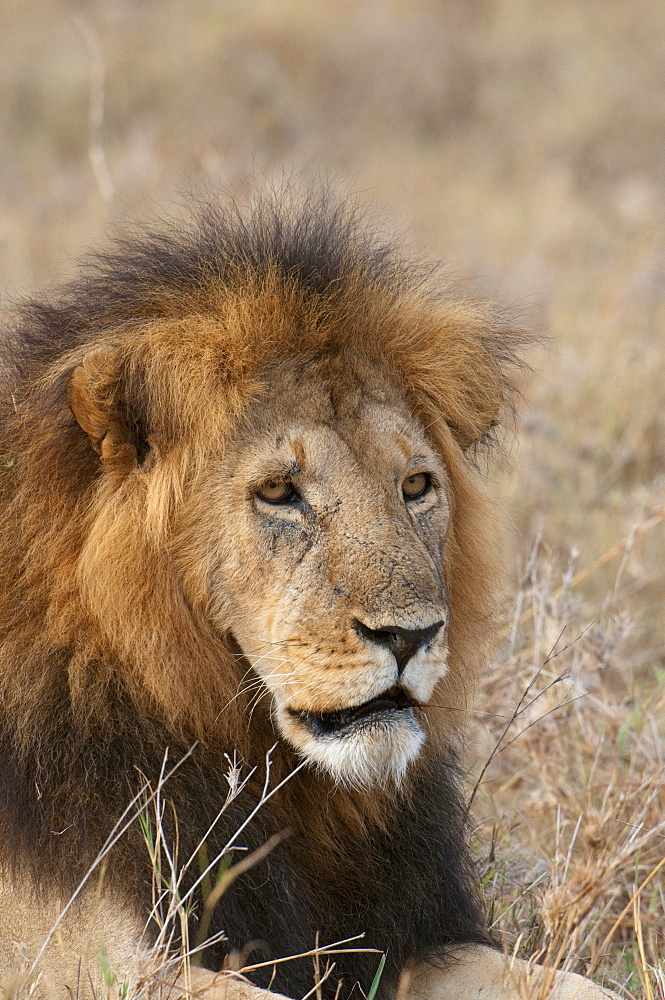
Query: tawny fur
x: 171, y: 358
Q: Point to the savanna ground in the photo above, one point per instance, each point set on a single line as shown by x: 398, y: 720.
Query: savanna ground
x: 524, y: 144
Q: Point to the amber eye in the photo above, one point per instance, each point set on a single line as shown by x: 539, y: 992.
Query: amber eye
x: 416, y: 486
x: 276, y: 491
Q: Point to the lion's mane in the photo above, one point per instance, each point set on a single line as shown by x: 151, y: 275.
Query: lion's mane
x: 197, y: 312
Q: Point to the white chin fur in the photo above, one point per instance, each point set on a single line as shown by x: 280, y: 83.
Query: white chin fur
x: 377, y: 753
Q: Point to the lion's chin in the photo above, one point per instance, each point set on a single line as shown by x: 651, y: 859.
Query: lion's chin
x: 365, y: 752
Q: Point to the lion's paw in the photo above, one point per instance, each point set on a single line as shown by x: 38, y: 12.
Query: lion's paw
x: 477, y: 972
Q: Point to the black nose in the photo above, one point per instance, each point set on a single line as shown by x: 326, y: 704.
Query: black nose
x: 403, y: 643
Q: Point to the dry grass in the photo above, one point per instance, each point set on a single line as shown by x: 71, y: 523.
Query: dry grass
x: 522, y: 142
x: 570, y: 798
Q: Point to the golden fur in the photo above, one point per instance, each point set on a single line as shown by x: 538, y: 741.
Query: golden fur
x: 140, y: 574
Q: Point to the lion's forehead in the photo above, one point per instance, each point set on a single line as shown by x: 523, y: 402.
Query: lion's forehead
x: 332, y: 429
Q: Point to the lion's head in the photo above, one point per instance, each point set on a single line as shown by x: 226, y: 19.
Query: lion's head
x: 322, y: 529
x: 236, y: 457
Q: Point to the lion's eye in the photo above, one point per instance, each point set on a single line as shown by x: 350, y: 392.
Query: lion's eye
x: 416, y: 486
x: 275, y: 491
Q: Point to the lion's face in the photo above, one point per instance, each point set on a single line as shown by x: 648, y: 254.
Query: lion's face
x: 329, y: 516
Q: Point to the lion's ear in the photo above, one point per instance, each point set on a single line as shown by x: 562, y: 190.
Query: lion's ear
x: 468, y: 435
x: 476, y: 414
x: 95, y: 398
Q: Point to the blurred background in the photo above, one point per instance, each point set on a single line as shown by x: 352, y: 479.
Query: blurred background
x: 522, y: 142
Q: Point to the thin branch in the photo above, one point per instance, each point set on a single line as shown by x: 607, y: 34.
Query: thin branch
x: 521, y: 707
x: 96, y: 153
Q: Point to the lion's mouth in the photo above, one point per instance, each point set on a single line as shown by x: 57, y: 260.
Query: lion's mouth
x: 395, y: 699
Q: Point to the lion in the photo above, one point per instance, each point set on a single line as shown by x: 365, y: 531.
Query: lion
x: 241, y: 515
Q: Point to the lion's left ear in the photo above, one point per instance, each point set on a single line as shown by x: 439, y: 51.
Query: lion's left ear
x: 95, y: 396
x: 464, y: 372
x: 473, y: 408
x: 471, y: 432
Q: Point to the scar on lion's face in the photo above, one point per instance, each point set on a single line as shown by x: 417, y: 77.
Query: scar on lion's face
x: 344, y: 504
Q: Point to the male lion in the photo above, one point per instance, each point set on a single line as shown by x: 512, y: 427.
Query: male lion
x: 237, y: 511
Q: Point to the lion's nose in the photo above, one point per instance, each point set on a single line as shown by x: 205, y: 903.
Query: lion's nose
x: 403, y: 643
